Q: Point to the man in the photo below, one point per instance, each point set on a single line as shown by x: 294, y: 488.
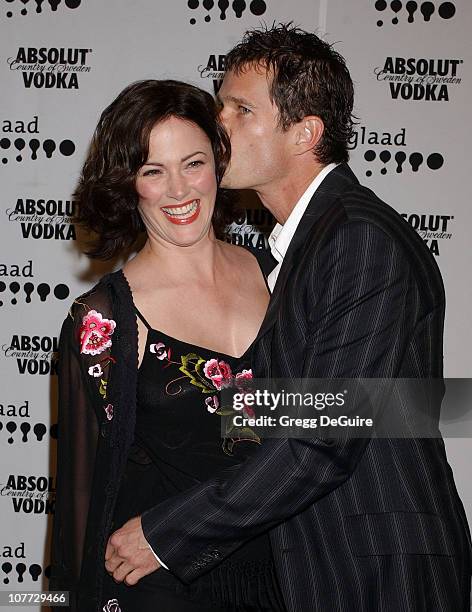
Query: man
x: 355, y: 524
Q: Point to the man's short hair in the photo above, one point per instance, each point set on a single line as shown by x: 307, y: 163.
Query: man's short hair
x: 308, y: 78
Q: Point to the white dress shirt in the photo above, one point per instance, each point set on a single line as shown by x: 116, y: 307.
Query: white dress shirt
x: 279, y: 241
x: 160, y: 562
x: 281, y: 236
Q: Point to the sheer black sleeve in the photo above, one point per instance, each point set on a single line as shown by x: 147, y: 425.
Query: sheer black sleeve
x: 83, y: 372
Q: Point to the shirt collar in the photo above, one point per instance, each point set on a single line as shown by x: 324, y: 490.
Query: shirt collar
x: 281, y: 235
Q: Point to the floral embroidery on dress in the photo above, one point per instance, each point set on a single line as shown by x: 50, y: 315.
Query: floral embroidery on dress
x: 219, y: 372
x: 159, y: 350
x: 109, y: 411
x: 95, y: 370
x: 112, y: 605
x: 103, y: 388
x: 244, y: 375
x: 95, y: 333
x: 210, y: 375
x: 212, y: 403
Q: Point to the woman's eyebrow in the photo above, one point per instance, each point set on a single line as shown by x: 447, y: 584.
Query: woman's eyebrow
x: 152, y: 163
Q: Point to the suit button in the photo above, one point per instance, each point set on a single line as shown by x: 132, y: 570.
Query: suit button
x: 103, y: 430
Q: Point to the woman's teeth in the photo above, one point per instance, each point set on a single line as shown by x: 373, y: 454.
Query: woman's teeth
x: 181, y: 212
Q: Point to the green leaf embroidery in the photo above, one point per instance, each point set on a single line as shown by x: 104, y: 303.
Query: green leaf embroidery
x: 103, y: 388
x: 192, y: 366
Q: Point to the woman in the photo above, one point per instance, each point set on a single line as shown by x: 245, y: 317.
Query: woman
x: 144, y: 354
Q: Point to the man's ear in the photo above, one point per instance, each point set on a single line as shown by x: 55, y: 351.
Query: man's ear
x: 309, y: 132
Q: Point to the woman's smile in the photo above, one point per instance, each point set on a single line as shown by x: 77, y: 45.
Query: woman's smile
x: 182, y: 214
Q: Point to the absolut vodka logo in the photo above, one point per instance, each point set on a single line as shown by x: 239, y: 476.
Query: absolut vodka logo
x: 433, y: 229
x: 43, y: 218
x: 34, y: 355
x: 213, y: 69
x: 30, y: 494
x: 420, y: 79
x: 50, y: 67
x: 251, y: 228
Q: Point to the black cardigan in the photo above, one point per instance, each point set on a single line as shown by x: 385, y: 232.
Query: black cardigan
x: 96, y: 419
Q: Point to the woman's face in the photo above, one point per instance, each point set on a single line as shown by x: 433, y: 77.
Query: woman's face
x: 177, y: 184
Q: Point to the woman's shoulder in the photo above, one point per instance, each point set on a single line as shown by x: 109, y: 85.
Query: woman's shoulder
x: 99, y: 298
x: 263, y: 257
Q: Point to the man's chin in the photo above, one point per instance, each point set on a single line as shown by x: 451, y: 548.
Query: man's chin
x: 226, y: 183
x: 229, y: 182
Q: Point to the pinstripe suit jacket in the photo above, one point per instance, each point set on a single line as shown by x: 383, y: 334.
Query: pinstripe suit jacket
x: 354, y: 524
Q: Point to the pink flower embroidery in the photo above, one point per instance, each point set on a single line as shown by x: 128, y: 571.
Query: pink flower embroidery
x: 109, y: 411
x: 112, y: 605
x: 159, y: 350
x: 95, y: 370
x: 248, y: 412
x: 95, y: 333
x: 212, y: 403
x: 244, y: 375
x: 219, y: 372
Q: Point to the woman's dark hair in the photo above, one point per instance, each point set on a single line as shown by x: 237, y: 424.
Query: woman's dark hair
x: 308, y: 78
x: 106, y: 194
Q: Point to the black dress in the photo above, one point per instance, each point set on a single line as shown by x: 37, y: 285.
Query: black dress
x: 177, y: 444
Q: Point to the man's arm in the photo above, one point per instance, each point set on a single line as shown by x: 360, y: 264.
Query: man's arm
x: 356, y: 300
x: 158, y: 560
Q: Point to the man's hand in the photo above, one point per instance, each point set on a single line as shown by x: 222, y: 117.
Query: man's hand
x: 127, y: 555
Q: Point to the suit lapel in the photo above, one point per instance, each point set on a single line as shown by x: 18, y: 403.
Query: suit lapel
x: 332, y: 186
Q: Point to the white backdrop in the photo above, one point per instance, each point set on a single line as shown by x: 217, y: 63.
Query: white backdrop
x: 62, y: 62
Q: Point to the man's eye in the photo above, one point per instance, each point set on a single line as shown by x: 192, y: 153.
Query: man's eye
x: 244, y: 110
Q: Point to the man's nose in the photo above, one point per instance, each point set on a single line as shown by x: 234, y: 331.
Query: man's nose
x: 223, y: 116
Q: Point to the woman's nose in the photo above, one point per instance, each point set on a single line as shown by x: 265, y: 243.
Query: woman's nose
x: 177, y: 187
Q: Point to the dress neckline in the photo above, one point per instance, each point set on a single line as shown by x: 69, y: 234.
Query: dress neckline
x: 196, y: 346
x: 203, y: 348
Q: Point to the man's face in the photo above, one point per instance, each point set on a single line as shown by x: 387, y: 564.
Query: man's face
x: 259, y: 148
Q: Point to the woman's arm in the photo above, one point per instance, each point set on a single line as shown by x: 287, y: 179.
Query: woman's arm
x: 81, y: 390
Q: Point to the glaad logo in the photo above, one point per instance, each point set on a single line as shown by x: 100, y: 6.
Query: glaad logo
x: 44, y: 219
x: 51, y: 4
x: 420, y: 79
x: 33, y: 354
x: 363, y: 137
x: 257, y: 7
x: 446, y: 10
x: 11, y: 554
x: 214, y: 69
x: 432, y: 228
x: 43, y: 290
x: 36, y: 147
x: 30, y: 494
x: 24, y: 432
x: 50, y: 67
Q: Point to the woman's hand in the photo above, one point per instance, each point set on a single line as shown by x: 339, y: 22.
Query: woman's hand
x: 128, y: 556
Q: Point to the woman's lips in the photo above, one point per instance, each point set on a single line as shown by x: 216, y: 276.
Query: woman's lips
x: 182, y: 214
